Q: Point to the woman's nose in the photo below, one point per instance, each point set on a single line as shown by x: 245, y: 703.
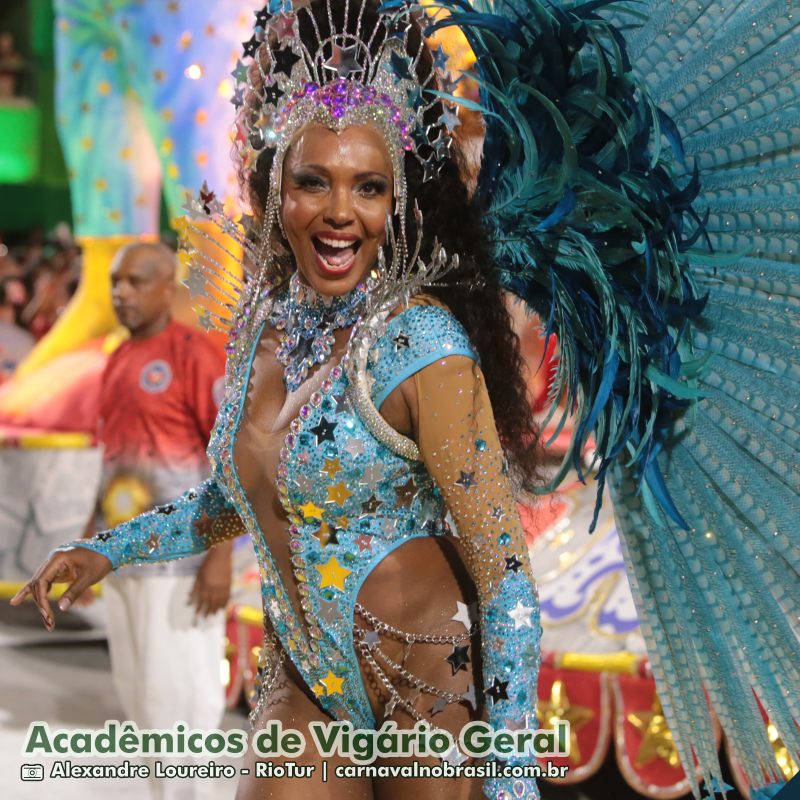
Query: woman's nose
x: 340, y: 208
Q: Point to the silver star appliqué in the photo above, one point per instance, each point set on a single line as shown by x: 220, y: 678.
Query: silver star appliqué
x: 343, y: 61
x: 521, y: 614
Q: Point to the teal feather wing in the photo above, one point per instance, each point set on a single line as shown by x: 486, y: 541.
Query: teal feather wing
x: 640, y: 172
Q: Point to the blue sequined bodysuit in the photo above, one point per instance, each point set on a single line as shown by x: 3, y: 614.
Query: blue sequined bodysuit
x: 350, y: 500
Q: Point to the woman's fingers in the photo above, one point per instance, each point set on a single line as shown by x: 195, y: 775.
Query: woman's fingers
x: 74, y: 590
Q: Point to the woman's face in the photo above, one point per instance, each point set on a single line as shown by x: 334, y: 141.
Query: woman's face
x: 336, y: 192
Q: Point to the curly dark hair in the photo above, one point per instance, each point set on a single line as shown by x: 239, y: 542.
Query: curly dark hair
x: 473, y: 294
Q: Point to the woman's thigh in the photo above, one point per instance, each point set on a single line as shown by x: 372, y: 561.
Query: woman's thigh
x: 418, y: 591
x: 289, y: 705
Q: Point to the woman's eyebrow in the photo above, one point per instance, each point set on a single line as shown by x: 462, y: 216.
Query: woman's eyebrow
x: 371, y: 173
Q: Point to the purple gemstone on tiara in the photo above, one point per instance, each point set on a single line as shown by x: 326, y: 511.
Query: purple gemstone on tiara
x: 311, y: 88
x: 385, y: 100
x: 337, y: 112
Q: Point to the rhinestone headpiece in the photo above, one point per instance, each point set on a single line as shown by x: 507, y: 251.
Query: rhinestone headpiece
x: 307, y: 66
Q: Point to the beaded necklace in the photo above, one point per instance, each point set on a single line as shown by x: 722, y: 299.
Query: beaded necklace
x: 307, y: 321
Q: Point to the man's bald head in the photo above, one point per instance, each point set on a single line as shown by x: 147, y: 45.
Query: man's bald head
x: 155, y: 255
x: 143, y: 286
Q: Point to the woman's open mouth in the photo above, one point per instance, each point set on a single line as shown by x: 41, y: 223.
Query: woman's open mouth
x: 335, y: 256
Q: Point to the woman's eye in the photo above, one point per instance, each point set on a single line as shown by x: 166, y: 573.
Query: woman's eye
x: 373, y: 188
x: 310, y: 182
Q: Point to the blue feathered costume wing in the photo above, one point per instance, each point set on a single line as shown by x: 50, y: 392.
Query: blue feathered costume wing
x: 641, y: 177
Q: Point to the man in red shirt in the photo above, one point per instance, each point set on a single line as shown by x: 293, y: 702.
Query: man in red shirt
x: 159, y: 399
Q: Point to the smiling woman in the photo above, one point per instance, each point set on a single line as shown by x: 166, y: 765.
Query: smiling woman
x: 335, y: 199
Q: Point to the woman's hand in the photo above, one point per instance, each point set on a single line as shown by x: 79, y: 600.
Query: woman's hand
x: 212, y: 586
x: 79, y: 567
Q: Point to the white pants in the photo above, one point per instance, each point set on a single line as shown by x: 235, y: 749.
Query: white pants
x: 165, y: 663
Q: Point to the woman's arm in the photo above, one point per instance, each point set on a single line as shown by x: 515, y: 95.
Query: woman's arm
x: 459, y: 445
x: 199, y: 519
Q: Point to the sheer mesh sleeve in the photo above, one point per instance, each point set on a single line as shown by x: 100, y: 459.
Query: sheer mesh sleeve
x: 199, y: 519
x: 459, y: 444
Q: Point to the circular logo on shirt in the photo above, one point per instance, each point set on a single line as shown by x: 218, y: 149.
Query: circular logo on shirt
x: 155, y: 377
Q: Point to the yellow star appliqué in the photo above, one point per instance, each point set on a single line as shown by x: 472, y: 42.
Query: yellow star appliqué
x: 331, y: 467
x: 657, y: 741
x: 310, y: 511
x: 332, y: 683
x: 332, y: 574
x: 338, y: 494
x: 559, y: 708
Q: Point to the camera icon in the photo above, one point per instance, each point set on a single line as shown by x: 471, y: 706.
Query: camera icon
x: 31, y: 772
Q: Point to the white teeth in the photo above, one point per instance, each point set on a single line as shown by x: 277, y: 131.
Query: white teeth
x: 338, y: 243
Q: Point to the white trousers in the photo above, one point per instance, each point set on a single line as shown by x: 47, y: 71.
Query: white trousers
x: 165, y: 663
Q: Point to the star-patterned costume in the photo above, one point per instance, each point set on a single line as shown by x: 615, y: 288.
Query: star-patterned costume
x: 350, y: 501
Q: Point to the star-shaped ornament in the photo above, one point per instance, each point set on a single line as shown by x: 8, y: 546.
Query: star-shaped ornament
x: 401, y: 341
x: 459, y: 658
x: 405, y: 494
x: 284, y: 60
x: 338, y: 494
x: 371, y: 505
x: 272, y: 94
x: 521, y: 614
x: 439, y: 58
x: 344, y: 61
x: 559, y: 709
x: 206, y: 320
x: 373, y: 639
x: 354, y: 446
x: 446, y: 82
x: 332, y: 683
x: 657, y: 740
x: 465, y: 614
x: 326, y: 535
x: 454, y: 756
x: 331, y: 467
x: 449, y: 119
x: 324, y: 431
x: 304, y: 484
x: 262, y: 17
x: 396, y: 29
x: 310, y: 511
x: 400, y: 67
x: 497, y: 513
x: 431, y: 167
x: 439, y: 706
x: 330, y: 611
x: 283, y: 25
x: 372, y: 476
x: 441, y: 145
x: 513, y: 563
x: 196, y: 282
x: 239, y: 73
x: 250, y: 46
x: 469, y: 696
x: 364, y: 542
x: 497, y: 691
x: 466, y: 480
x: 333, y: 574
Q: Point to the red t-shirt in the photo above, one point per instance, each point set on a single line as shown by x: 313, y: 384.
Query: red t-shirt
x: 159, y: 399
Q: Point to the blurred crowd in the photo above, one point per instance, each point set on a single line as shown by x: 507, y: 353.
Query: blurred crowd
x: 39, y: 273
x: 11, y: 66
